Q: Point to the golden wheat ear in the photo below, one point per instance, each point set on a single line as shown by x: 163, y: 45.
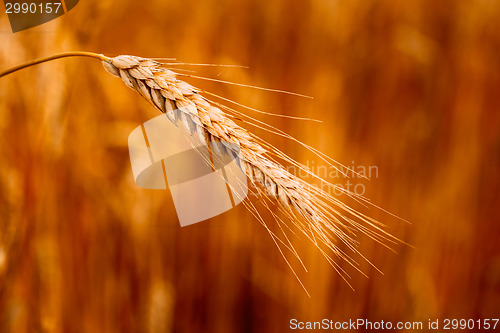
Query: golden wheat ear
x: 322, y: 218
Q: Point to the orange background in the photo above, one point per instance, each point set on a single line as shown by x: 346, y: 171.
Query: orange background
x: 409, y: 87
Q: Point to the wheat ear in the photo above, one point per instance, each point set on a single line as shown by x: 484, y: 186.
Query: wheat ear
x: 200, y: 116
x: 317, y: 214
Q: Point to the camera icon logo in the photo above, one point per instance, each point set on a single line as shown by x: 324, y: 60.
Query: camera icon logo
x: 204, y: 178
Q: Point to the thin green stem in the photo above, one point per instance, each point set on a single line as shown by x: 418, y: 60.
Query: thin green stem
x: 53, y: 57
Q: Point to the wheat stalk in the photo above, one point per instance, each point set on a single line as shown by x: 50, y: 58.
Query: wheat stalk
x: 318, y: 215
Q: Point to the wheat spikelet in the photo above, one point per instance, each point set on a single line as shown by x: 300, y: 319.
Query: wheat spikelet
x: 320, y: 217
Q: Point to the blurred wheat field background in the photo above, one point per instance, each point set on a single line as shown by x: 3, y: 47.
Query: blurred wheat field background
x: 412, y: 88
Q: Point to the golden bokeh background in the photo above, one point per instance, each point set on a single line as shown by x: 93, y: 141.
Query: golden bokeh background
x: 410, y: 87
